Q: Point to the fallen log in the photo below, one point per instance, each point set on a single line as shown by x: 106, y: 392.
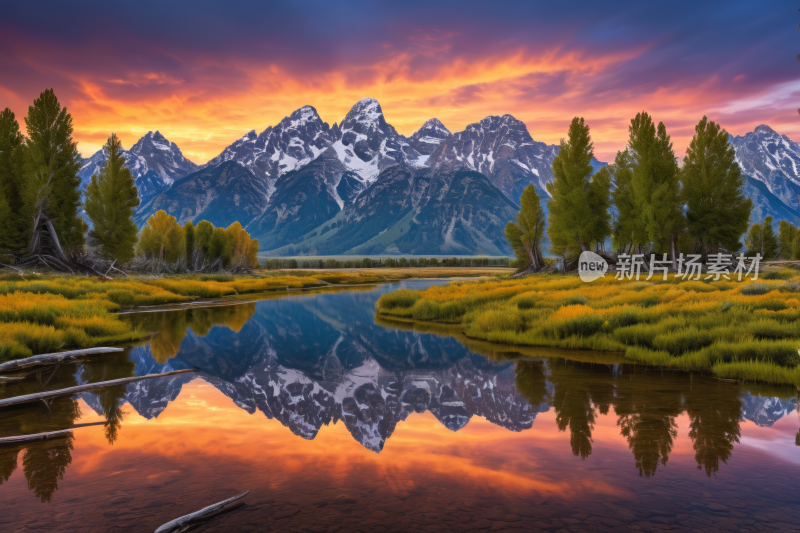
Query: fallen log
x: 203, y: 514
x: 11, y: 379
x: 52, y: 358
x: 34, y: 437
x: 27, y: 398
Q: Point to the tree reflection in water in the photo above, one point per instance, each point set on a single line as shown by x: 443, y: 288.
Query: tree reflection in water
x: 111, y: 398
x: 713, y: 423
x: 43, y: 463
x: 8, y: 461
x: 647, y: 420
x: 172, y: 326
x: 579, y: 391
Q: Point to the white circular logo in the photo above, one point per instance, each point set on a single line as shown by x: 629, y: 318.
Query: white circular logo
x: 591, y: 266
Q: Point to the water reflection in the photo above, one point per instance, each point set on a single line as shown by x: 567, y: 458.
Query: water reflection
x: 43, y: 463
x: 316, y: 360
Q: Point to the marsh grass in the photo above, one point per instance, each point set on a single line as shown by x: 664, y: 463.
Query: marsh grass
x: 744, y: 330
x: 40, y: 314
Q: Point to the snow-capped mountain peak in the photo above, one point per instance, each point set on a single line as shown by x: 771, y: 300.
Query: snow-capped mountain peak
x: 153, y: 160
x: 291, y: 144
x: 429, y: 136
x: 501, y: 148
x: 772, y: 158
x: 368, y: 144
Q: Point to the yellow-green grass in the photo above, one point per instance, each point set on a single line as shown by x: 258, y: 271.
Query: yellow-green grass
x: 40, y: 314
x: 749, y: 330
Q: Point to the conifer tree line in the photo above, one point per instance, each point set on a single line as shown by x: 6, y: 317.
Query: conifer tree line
x: 38, y: 173
x: 644, y: 201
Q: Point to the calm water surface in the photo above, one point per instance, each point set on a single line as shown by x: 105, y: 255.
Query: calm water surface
x: 334, y: 422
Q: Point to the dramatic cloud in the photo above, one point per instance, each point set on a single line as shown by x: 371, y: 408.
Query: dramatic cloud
x: 204, y: 74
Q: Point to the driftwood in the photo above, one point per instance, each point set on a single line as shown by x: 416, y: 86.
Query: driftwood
x: 52, y: 358
x: 11, y: 379
x: 34, y: 437
x: 27, y: 398
x: 180, y: 524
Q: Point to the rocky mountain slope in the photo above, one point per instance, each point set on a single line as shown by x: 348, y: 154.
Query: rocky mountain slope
x: 773, y: 159
x: 222, y: 195
x: 304, y: 199
x: 411, y: 210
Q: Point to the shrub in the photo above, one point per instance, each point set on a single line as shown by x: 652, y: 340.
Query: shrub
x: 425, y: 310
x: 398, y: 299
x: 754, y: 289
x: 576, y: 299
x: 507, y: 319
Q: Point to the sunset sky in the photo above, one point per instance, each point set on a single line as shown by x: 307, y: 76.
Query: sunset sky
x: 206, y: 73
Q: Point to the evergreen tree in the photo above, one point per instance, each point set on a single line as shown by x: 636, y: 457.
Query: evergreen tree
x: 761, y: 239
x: 188, y: 237
x: 14, y: 226
x: 717, y: 211
x: 572, y: 224
x: 110, y: 199
x: 787, y: 234
x: 52, y: 163
x: 527, y: 234
x: 599, y: 203
x: 655, y: 184
x: 627, y: 230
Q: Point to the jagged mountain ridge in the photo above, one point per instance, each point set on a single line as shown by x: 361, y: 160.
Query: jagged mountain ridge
x: 773, y: 159
x: 294, y: 142
x: 501, y: 148
x: 365, y: 144
x: 222, y: 195
x: 429, y: 136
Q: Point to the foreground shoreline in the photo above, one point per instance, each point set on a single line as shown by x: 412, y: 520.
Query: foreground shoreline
x: 744, y: 331
x: 49, y: 313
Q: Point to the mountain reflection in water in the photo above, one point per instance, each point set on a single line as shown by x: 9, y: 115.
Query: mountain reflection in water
x: 313, y: 360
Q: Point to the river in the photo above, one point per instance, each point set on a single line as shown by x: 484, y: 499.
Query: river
x: 334, y: 422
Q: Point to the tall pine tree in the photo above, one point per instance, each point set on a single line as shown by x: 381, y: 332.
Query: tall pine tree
x: 14, y: 225
x: 573, y: 224
x: 627, y: 229
x: 655, y: 181
x: 527, y: 234
x: 52, y: 164
x: 110, y: 199
x: 717, y: 211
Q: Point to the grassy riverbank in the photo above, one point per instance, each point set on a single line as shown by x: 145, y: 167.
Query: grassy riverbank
x: 737, y: 330
x: 40, y: 314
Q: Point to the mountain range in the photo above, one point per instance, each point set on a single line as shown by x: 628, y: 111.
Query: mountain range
x: 359, y: 187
